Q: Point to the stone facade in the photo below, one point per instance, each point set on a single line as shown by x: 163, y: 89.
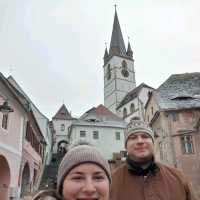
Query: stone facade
x: 174, y: 113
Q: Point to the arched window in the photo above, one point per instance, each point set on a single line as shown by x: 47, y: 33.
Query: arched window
x: 124, y: 113
x: 124, y: 70
x: 108, y: 73
x: 124, y: 65
x: 132, y: 108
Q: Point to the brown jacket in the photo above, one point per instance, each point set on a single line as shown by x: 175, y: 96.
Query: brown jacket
x: 166, y: 184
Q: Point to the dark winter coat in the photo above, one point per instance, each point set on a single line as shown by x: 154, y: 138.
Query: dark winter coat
x: 166, y: 183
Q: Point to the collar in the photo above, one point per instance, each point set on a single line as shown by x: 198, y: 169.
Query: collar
x: 135, y: 167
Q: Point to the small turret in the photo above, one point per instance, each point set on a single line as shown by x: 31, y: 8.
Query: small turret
x: 106, y: 56
x: 129, y: 51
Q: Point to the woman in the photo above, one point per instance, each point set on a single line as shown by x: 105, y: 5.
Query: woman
x: 82, y: 174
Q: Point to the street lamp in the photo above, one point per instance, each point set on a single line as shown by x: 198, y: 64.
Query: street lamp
x: 5, y: 108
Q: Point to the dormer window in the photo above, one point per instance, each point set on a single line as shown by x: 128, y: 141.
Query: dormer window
x: 63, y: 113
x: 92, y: 120
x: 182, y: 97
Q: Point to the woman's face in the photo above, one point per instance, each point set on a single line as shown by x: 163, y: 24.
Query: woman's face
x: 86, y: 182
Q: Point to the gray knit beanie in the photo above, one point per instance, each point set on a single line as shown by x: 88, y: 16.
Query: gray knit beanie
x: 137, y: 125
x: 78, y: 155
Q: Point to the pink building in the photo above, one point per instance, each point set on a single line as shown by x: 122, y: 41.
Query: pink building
x: 32, y: 157
x: 173, y: 111
x: 21, y: 149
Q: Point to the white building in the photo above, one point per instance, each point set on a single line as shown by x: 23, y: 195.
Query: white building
x: 133, y: 104
x: 102, y: 128
x: 121, y: 95
x: 119, y: 74
x: 62, y: 120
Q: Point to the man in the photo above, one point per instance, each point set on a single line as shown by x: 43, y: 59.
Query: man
x: 141, y: 178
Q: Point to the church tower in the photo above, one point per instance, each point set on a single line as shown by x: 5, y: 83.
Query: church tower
x: 119, y: 74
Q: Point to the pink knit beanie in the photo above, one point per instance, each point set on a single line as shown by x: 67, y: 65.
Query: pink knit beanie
x: 78, y: 155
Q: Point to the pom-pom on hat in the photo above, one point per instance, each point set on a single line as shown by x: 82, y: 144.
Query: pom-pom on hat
x: 80, y: 154
x: 137, y: 125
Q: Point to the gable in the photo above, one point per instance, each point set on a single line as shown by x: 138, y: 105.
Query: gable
x: 62, y: 114
x: 134, y: 94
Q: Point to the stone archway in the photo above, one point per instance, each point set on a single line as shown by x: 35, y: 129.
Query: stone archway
x: 62, y: 147
x: 25, y: 185
x: 4, y: 177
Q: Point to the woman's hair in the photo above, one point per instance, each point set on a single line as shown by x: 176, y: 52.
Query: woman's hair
x: 48, y: 194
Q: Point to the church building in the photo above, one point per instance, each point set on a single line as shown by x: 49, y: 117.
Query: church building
x: 121, y: 96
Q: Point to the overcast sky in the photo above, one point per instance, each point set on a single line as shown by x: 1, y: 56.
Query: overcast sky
x: 54, y: 48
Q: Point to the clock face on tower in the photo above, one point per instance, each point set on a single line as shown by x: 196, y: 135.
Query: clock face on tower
x: 125, y: 72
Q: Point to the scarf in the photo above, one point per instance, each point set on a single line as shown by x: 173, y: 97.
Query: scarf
x: 135, y: 167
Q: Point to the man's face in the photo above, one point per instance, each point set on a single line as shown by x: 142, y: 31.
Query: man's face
x: 140, y: 147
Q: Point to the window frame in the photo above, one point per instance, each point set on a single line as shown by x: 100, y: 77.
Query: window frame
x: 124, y: 113
x: 4, y: 122
x: 62, y: 127
x: 82, y: 136
x: 95, y: 135
x: 187, y: 144
x: 117, y: 135
x: 132, y: 108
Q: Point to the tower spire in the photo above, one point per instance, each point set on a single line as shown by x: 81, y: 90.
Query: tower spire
x: 115, y: 7
x: 117, y: 46
x: 129, y: 51
x: 119, y: 73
